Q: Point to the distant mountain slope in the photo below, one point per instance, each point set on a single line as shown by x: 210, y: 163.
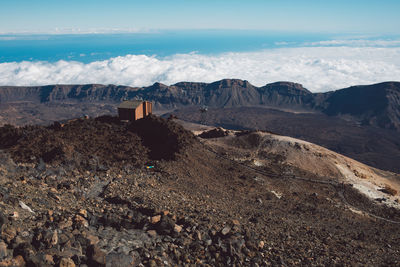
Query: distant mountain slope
x: 286, y: 95
x: 60, y: 92
x: 376, y: 105
x: 228, y: 93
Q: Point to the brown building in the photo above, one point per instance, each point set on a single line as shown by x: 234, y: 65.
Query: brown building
x: 134, y: 109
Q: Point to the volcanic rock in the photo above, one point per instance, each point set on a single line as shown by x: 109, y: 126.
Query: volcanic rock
x: 213, y: 219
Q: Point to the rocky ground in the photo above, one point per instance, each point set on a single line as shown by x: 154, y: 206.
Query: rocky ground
x: 263, y: 150
x: 96, y: 192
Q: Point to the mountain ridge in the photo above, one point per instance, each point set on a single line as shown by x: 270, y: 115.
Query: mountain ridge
x: 376, y: 104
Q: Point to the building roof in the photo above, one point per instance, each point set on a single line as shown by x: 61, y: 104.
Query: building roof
x: 131, y: 104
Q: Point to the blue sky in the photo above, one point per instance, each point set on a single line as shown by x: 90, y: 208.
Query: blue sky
x: 338, y: 16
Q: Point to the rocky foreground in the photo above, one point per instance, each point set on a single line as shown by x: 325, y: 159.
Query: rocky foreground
x: 96, y: 192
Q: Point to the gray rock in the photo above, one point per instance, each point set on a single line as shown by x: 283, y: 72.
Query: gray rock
x: 226, y: 230
x: 3, y: 220
x: 41, y: 167
x: 115, y: 259
x: 3, y: 250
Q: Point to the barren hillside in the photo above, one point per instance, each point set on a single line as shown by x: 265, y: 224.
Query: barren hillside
x: 259, y: 149
x: 97, y: 192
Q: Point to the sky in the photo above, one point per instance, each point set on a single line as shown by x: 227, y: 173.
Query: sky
x: 338, y: 16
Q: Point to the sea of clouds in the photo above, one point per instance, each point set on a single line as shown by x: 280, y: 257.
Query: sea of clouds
x: 318, y: 68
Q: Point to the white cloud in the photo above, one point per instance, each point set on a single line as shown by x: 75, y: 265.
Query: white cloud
x: 357, y: 43
x: 317, y: 68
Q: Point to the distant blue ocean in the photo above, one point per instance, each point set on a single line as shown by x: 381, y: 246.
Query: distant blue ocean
x: 87, y: 48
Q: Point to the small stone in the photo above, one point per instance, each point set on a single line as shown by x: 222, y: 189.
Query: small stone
x: 198, y: 235
x: 65, y: 224
x: 235, y: 222
x: 17, y: 241
x: 3, y: 250
x: 226, y: 230
x: 3, y: 219
x: 152, y: 263
x: 25, y: 207
x: 152, y: 233
x: 93, y: 240
x: 67, y: 262
x: 120, y: 259
x: 98, y: 256
x: 165, y: 212
x: 83, y: 213
x: 79, y: 220
x: 49, y: 259
x: 25, y: 234
x: 155, y: 219
x: 165, y: 226
x: 53, y: 190
x: 177, y: 228
x: 75, y: 232
x: 9, y: 233
x: 261, y: 244
x: 18, y: 261
x: 54, y: 238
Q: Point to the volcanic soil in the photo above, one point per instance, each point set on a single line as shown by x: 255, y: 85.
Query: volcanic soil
x: 98, y: 192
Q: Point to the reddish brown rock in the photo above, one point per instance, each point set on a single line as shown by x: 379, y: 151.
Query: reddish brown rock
x: 67, y: 262
x: 18, y: 261
x: 49, y: 259
x: 97, y: 255
x: 152, y: 233
x: 80, y: 221
x: 8, y: 233
x: 155, y: 219
x: 177, y: 228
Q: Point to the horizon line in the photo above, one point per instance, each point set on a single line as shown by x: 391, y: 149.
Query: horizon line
x: 78, y: 31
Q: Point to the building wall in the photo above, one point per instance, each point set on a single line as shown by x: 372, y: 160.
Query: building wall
x: 148, y: 108
x: 139, y: 112
x: 126, y: 114
x: 145, y: 108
